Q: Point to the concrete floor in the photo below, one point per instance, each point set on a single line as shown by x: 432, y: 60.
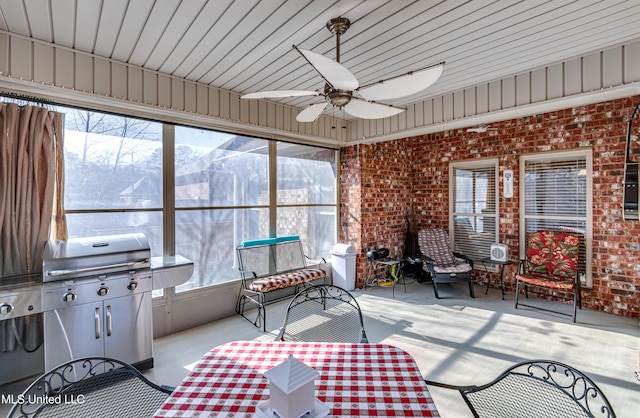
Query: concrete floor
x: 456, y: 340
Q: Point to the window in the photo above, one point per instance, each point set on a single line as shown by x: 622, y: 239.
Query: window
x: 555, y: 194
x: 221, y: 189
x: 113, y: 176
x: 306, y: 196
x: 221, y: 199
x: 473, y: 198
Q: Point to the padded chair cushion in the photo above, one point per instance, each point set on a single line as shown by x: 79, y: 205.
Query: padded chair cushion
x: 458, y: 268
x: 546, y: 280
x: 434, y: 243
x: 280, y: 281
x: 552, y: 253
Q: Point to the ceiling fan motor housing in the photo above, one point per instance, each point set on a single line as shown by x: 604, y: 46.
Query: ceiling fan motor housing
x: 338, y: 97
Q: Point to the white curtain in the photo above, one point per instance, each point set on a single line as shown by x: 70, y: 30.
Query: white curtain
x: 31, y: 187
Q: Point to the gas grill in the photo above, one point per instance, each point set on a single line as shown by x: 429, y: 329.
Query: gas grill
x: 96, y: 299
x: 21, y: 348
x: 92, y: 298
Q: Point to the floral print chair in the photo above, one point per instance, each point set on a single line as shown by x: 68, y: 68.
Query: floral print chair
x: 552, y: 262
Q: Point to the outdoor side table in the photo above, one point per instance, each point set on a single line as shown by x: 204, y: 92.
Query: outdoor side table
x: 487, y: 260
x: 389, y: 281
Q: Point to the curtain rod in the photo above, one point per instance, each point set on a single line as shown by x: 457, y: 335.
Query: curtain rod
x: 30, y: 99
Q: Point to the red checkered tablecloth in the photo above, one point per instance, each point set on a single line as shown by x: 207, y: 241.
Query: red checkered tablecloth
x: 355, y: 380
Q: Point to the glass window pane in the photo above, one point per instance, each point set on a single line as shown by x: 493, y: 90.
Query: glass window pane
x: 556, y: 188
x: 209, y: 238
x: 220, y: 169
x: 111, y: 162
x: 115, y: 223
x: 316, y: 226
x: 475, y: 204
x: 306, y: 175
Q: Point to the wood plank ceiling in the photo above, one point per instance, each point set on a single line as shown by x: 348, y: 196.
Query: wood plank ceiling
x: 246, y: 46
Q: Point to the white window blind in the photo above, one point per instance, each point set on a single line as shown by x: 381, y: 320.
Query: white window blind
x: 556, y: 195
x: 474, y: 207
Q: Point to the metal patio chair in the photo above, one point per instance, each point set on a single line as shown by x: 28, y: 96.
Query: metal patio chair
x: 440, y: 261
x: 536, y: 388
x: 551, y: 262
x: 323, y: 313
x: 91, y: 387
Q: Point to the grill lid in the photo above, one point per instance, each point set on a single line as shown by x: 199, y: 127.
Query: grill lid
x: 81, y: 257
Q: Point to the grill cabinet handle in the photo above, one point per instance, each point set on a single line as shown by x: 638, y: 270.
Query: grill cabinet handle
x: 97, y: 319
x: 108, y: 320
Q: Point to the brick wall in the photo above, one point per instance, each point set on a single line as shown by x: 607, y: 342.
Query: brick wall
x: 386, y: 182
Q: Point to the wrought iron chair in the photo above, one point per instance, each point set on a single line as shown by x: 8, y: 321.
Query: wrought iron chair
x: 536, y: 388
x: 90, y: 387
x: 440, y: 261
x: 552, y: 262
x: 323, y: 313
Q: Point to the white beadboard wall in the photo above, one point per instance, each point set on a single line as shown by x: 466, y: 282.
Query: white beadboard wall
x: 593, y: 78
x: 71, y: 77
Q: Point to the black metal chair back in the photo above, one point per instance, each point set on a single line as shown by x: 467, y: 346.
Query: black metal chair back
x: 536, y: 388
x: 323, y: 313
x: 90, y: 387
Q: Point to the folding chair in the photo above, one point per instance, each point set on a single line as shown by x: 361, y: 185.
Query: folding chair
x: 440, y: 261
x: 552, y: 262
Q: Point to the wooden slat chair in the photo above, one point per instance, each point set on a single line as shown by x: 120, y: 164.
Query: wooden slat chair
x: 91, y: 387
x: 440, y: 261
x: 534, y: 389
x: 551, y: 262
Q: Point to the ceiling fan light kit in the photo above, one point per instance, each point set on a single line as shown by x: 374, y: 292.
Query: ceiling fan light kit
x: 340, y: 85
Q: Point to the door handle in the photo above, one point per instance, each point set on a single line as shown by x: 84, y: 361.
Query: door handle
x: 108, y: 320
x: 97, y: 323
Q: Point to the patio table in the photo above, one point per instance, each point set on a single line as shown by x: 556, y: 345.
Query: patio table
x: 355, y: 380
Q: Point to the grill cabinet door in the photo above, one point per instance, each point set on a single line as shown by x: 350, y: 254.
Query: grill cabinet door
x: 128, y: 330
x: 72, y: 332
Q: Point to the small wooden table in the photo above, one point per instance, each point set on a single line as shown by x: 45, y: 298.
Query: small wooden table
x: 500, y: 264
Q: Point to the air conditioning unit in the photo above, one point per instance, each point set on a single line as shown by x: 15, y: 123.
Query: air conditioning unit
x: 499, y: 252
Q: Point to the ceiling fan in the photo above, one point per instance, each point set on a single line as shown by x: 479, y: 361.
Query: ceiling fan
x: 482, y: 128
x: 341, y: 85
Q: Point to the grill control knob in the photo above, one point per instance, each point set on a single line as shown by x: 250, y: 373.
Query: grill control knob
x: 133, y: 285
x: 103, y: 291
x: 5, y: 308
x: 69, y: 297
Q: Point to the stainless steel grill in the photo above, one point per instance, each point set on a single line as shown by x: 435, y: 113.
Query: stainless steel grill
x: 92, y: 298
x: 21, y: 333
x: 81, y: 257
x: 96, y: 298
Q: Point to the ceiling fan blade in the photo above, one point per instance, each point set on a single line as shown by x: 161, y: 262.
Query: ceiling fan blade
x: 333, y: 72
x: 311, y: 113
x: 279, y: 93
x: 370, y: 110
x: 403, y: 85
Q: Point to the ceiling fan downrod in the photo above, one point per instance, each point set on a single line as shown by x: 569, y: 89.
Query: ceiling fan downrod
x: 338, y: 26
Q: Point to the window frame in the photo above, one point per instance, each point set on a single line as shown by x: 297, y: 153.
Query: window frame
x: 168, y: 209
x: 483, y: 163
x: 567, y: 155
